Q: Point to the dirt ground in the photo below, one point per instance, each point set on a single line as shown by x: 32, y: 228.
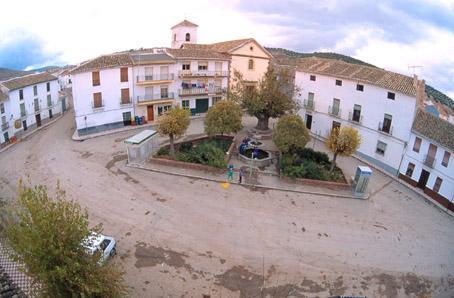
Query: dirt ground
x: 181, y: 237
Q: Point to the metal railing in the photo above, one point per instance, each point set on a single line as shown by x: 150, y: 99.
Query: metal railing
x: 23, y: 113
x: 334, y: 111
x: 388, y: 130
x: 355, y: 119
x: 152, y: 97
x: 151, y: 78
x: 125, y: 101
x: 201, y: 91
x: 5, y: 126
x: 309, y: 104
x: 429, y: 160
x: 202, y: 73
x: 37, y: 108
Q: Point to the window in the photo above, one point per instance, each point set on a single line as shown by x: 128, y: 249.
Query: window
x: 391, y: 95
x: 23, y: 112
x: 21, y: 94
x: 217, y: 83
x: 174, y: 37
x: 338, y: 82
x: 381, y: 148
x: 218, y: 68
x: 312, y: 78
x: 360, y: 87
x: 48, y: 86
x: 186, y: 66
x: 162, y: 109
x: 49, y: 100
x: 125, y: 99
x: 417, y: 144
x: 203, y: 65
x: 35, y: 90
x: 410, y: 169
x: 97, y: 100
x: 335, y: 110
x: 216, y: 99
x: 446, y: 159
x: 356, y: 113
x: 95, y: 78
x: 36, y: 104
x: 185, y: 104
x: 2, y: 108
x: 123, y: 74
x: 387, y: 120
x: 188, y: 37
x: 250, y: 64
x: 164, y: 92
x: 251, y: 48
x: 437, y: 184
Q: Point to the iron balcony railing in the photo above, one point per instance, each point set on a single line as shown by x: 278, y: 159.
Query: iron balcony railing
x: 160, y: 77
x: 202, y: 91
x: 353, y: 118
x: 37, y: 108
x: 334, y: 111
x: 23, y: 113
x: 153, y: 97
x: 309, y: 104
x: 202, y: 73
x: 125, y: 101
x: 385, y: 129
x: 5, y: 126
x: 429, y: 160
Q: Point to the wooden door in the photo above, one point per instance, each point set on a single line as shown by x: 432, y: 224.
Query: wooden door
x: 423, y: 179
x: 308, y: 121
x: 150, y: 113
x: 38, y: 120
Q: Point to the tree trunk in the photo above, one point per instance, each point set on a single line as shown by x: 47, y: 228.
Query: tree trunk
x: 333, y: 162
x: 172, y: 146
x: 262, y: 123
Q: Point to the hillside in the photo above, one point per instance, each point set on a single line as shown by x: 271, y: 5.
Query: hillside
x: 6, y: 73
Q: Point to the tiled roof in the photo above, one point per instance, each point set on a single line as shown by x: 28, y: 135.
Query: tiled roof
x: 434, y: 128
x: 105, y: 61
x: 185, y: 23
x: 28, y: 80
x: 144, y: 58
x: 222, y: 47
x: 375, y: 76
x: 197, y: 54
x: 2, y: 96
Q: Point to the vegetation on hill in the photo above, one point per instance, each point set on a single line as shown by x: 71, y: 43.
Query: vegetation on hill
x: 6, y: 73
x: 440, y: 97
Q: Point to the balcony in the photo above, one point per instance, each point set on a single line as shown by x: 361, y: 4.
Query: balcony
x: 126, y: 102
x: 155, y: 79
x: 5, y: 126
x: 309, y: 104
x: 355, y: 118
x: 429, y: 160
x: 23, y: 113
x: 155, y: 98
x: 202, y: 73
x: 334, y: 111
x: 385, y: 129
x: 202, y: 91
x: 37, y: 108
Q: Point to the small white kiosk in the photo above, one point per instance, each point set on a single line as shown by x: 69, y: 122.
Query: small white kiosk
x: 140, y: 146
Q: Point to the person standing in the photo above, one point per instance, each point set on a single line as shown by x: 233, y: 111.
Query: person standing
x: 240, y: 176
x: 230, y: 173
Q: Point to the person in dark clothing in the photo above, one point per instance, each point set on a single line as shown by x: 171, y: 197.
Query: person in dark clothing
x: 240, y: 176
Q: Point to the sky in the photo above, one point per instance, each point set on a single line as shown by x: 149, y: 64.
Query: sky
x: 391, y: 34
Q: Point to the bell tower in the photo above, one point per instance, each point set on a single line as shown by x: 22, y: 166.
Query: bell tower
x: 184, y: 32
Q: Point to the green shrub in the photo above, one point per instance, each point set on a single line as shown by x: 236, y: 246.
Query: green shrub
x: 209, y: 154
x: 309, y: 154
x: 186, y: 147
x: 185, y: 156
x: 163, y: 151
x: 314, y: 171
x: 287, y: 160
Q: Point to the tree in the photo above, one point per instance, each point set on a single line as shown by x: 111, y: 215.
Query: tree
x: 47, y: 235
x: 223, y: 117
x: 272, y: 98
x: 290, y: 133
x: 173, y: 123
x: 343, y: 142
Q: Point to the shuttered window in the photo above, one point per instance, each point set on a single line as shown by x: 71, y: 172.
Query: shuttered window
x: 417, y: 144
x: 97, y: 100
x: 123, y: 74
x: 125, y: 96
x: 446, y: 159
x: 437, y: 184
x: 95, y: 78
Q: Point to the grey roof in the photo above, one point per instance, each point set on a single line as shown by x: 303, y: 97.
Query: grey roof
x: 151, y: 58
x: 434, y: 128
x: 28, y: 80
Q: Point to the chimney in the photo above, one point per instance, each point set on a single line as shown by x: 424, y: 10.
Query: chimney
x: 420, y: 86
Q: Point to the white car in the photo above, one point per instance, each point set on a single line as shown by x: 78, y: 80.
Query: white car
x: 106, y: 245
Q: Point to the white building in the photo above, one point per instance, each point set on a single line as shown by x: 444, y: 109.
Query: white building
x: 428, y: 162
x: 379, y: 103
x: 27, y: 102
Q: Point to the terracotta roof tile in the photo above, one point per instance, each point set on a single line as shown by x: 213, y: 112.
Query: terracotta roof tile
x: 185, y: 23
x: 197, y: 54
x: 223, y: 47
x: 374, y: 76
x: 105, y: 61
x: 434, y: 128
x: 28, y: 80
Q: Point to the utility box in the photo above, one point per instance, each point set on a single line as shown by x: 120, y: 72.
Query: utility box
x: 141, y: 146
x: 361, y: 180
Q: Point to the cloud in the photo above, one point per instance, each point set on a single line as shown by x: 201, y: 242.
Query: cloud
x: 23, y: 51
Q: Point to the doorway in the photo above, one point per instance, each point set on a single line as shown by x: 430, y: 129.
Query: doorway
x: 308, y: 121
x: 336, y: 125
x: 423, y: 179
x: 150, y: 113
x: 6, y: 137
x: 201, y: 105
x: 50, y: 114
x: 126, y: 118
x: 38, y: 120
x: 24, y: 124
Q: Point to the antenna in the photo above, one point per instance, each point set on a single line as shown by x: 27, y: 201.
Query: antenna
x: 414, y: 67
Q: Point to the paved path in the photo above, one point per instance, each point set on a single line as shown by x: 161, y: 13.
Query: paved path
x: 183, y: 237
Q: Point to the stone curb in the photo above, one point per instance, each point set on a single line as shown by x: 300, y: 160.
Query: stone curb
x: 76, y: 137
x: 140, y: 167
